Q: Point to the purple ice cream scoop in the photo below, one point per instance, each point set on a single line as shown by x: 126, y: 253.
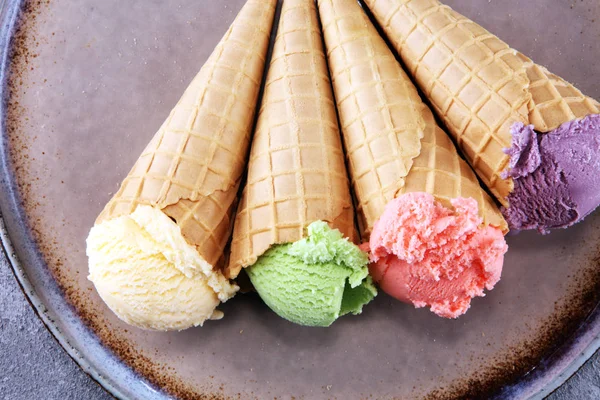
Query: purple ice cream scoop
x: 556, y: 175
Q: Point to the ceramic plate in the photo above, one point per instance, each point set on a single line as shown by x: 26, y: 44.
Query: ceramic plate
x: 85, y: 86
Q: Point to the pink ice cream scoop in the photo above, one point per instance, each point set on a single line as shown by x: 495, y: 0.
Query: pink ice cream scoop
x: 429, y: 255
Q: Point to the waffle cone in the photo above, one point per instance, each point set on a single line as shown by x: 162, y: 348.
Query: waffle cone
x: 393, y: 143
x: 296, y: 172
x: 477, y: 84
x: 191, y: 169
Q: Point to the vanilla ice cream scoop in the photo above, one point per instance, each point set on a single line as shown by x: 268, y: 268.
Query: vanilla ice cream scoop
x: 150, y: 277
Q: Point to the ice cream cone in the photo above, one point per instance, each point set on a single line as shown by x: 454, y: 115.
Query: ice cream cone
x: 393, y: 143
x: 296, y: 172
x: 191, y: 169
x: 477, y: 84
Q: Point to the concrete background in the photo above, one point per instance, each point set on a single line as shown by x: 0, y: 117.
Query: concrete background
x: 34, y: 366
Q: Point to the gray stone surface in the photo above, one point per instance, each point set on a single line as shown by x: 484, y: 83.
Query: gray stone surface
x: 34, y: 366
x: 585, y: 384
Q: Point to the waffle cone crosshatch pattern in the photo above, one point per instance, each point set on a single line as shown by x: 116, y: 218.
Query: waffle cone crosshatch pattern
x: 394, y: 145
x: 193, y: 166
x: 296, y: 171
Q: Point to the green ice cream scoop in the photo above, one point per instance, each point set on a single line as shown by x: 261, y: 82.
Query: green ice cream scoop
x: 315, y: 280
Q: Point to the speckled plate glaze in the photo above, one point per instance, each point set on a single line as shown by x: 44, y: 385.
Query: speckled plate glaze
x: 85, y: 86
